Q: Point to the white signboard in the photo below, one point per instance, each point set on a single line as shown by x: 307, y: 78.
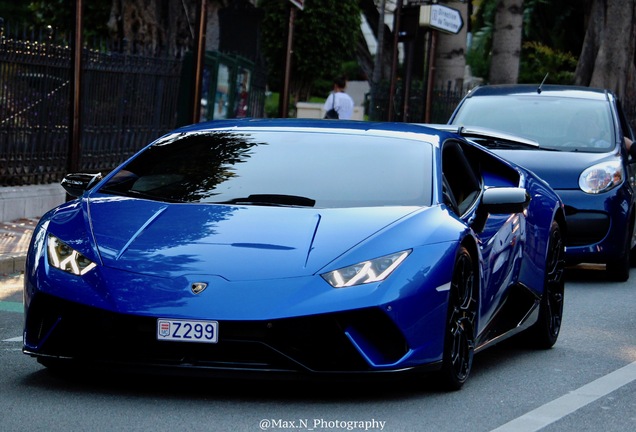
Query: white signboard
x: 299, y: 3
x: 441, y: 18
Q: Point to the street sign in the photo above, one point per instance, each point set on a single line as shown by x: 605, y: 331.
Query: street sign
x: 299, y: 3
x: 441, y: 18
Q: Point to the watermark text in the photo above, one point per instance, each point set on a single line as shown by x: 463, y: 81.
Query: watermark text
x: 321, y: 424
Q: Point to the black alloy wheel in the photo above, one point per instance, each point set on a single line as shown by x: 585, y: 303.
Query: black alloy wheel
x: 618, y: 270
x: 546, y: 331
x: 459, y: 339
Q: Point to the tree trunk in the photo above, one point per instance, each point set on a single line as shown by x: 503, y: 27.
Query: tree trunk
x: 607, y: 58
x: 383, y: 35
x: 161, y: 28
x: 450, y: 54
x: 506, y: 42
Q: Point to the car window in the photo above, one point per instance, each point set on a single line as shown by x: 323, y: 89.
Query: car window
x: 281, y: 168
x: 566, y: 124
x: 462, y: 184
x: 625, y: 126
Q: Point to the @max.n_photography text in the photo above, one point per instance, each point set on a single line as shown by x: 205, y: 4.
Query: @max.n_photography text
x: 318, y: 424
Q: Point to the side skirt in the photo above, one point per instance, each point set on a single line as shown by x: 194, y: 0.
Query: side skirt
x: 517, y: 312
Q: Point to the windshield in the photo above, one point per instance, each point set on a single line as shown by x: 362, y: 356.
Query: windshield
x: 566, y: 124
x: 280, y: 168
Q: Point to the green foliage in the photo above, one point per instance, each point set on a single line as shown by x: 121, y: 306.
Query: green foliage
x: 59, y: 14
x: 13, y: 12
x: 324, y: 39
x: 552, y: 30
x: 478, y: 55
x: 558, y: 24
x: 352, y: 70
x: 323, y: 85
x: 271, y: 105
x: 537, y: 60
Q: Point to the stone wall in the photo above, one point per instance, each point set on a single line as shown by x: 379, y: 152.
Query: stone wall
x: 17, y: 202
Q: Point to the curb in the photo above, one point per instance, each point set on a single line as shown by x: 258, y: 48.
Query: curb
x: 15, y: 237
x: 10, y: 265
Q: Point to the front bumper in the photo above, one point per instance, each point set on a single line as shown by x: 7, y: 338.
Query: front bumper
x: 597, y: 224
x: 353, y: 341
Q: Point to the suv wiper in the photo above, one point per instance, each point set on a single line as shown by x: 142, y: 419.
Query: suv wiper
x: 497, y: 139
x: 491, y: 138
x: 273, y: 200
x: 496, y: 143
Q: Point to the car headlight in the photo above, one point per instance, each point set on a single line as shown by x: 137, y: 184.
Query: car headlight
x: 601, y: 177
x: 64, y: 257
x: 374, y: 270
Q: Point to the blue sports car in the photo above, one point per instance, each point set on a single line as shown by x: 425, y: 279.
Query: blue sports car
x: 297, y: 248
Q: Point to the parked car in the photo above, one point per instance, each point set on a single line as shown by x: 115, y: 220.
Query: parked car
x: 297, y: 247
x: 577, y: 144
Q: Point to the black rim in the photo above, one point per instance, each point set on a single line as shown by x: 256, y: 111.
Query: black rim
x: 555, y: 284
x: 461, y: 325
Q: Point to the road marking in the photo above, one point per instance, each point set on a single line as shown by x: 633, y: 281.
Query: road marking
x: 6, y: 306
x: 14, y: 339
x: 567, y: 404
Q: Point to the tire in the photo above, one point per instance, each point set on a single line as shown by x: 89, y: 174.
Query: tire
x: 459, y: 337
x: 618, y: 270
x: 545, y: 332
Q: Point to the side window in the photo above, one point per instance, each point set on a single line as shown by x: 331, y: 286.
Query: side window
x: 626, y: 128
x: 628, y: 134
x: 462, y: 184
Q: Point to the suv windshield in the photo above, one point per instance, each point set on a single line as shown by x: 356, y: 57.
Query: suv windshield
x: 566, y: 124
x: 280, y: 168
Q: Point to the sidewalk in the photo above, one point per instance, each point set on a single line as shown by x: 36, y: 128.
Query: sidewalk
x: 14, y: 243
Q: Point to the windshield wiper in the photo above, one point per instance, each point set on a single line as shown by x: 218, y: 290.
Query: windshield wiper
x: 498, y: 139
x: 491, y: 138
x: 497, y: 143
x: 137, y: 194
x: 273, y: 200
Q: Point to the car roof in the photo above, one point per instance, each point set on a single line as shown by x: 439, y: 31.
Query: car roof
x: 565, y: 91
x: 331, y: 126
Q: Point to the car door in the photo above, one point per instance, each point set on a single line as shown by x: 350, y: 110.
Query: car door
x: 628, y: 133
x: 500, y: 236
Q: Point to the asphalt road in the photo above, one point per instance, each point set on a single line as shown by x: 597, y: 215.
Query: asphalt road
x: 587, y: 382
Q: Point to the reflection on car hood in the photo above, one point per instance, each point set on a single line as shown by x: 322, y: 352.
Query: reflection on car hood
x: 234, y: 242
x: 560, y: 169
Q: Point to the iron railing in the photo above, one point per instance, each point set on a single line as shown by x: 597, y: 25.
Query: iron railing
x: 443, y: 102
x: 126, y: 102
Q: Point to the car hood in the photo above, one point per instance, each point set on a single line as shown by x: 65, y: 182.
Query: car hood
x: 560, y: 169
x: 232, y: 242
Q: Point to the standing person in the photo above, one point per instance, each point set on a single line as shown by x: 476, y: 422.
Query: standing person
x: 339, y: 101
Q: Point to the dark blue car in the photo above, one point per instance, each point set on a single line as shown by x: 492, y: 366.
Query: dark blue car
x: 576, y: 141
x: 297, y: 247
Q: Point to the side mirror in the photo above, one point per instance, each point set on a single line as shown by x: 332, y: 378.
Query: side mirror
x: 505, y: 200
x: 77, y: 183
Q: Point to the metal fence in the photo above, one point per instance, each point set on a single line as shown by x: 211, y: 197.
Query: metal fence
x: 443, y: 102
x: 126, y: 102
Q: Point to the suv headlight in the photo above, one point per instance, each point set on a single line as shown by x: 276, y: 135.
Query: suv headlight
x: 64, y: 257
x: 601, y: 177
x: 374, y: 270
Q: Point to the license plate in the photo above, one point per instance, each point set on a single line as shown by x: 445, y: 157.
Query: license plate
x: 176, y: 330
